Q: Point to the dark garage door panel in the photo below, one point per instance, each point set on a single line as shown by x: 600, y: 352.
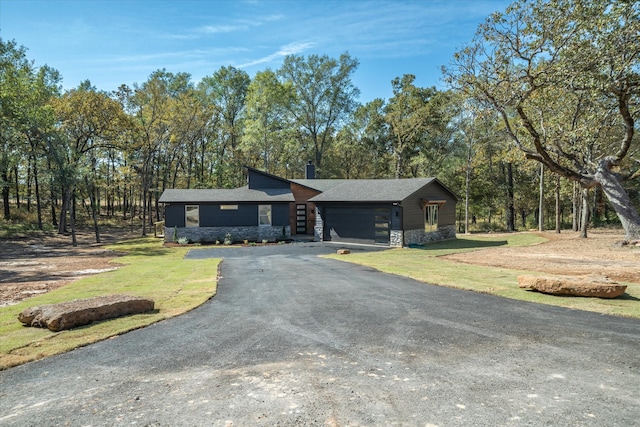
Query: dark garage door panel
x: 357, y: 225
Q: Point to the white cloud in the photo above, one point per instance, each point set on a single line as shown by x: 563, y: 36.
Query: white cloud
x: 216, y: 29
x: 290, y: 49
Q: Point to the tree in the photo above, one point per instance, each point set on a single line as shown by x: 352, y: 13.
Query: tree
x: 151, y: 152
x: 324, y: 96
x: 564, y: 77
x: 267, y: 123
x: 88, y: 120
x: 407, y: 114
x: 38, y: 123
x: 361, y: 149
x: 15, y: 74
x: 421, y: 126
x: 227, y: 89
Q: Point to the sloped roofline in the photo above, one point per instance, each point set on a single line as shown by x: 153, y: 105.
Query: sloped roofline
x: 245, y: 194
x: 339, y: 181
x: 224, y: 195
x: 258, y: 171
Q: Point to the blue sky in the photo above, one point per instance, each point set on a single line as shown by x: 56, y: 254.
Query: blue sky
x: 114, y: 42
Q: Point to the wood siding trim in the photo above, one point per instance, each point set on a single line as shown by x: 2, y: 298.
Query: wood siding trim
x: 302, y: 194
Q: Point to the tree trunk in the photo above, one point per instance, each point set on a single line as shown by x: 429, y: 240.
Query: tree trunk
x: 541, y: 200
x: 37, y: 189
x: 398, y: 172
x: 584, y: 221
x: 17, y: 179
x: 576, y: 207
x: 466, y: 191
x: 72, y: 221
x: 94, y: 210
x: 144, y: 211
x: 4, y: 181
x: 511, y: 212
x: 558, y: 208
x: 66, y: 200
x: 619, y: 199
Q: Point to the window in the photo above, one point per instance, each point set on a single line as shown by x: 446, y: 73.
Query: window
x: 431, y: 218
x: 264, y: 214
x: 192, y: 216
x: 228, y: 207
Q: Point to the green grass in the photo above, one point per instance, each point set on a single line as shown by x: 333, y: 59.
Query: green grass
x: 424, y: 264
x: 149, y: 270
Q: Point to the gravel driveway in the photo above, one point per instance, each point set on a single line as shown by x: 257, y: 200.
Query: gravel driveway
x: 293, y: 339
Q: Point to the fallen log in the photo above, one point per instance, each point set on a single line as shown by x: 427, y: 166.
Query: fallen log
x: 70, y: 314
x: 586, y: 286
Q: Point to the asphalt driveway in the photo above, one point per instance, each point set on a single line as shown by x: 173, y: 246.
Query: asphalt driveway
x: 294, y: 339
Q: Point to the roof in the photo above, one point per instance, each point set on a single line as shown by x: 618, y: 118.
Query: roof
x: 249, y: 169
x: 319, y: 184
x: 373, y: 190
x: 242, y: 194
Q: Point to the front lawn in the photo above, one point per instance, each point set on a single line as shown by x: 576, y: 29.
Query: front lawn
x: 149, y: 270
x: 426, y: 265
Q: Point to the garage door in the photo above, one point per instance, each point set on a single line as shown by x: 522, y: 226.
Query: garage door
x: 358, y: 225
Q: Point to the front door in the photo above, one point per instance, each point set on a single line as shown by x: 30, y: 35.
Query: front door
x: 301, y: 219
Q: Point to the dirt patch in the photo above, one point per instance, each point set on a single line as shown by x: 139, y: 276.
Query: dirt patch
x: 565, y: 254
x: 31, y: 266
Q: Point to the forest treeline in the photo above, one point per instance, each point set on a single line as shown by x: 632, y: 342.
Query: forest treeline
x: 531, y: 124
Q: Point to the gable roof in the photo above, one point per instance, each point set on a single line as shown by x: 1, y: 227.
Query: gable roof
x: 377, y: 190
x: 242, y: 194
x: 373, y: 190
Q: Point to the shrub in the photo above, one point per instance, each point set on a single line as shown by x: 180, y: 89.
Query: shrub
x: 228, y: 239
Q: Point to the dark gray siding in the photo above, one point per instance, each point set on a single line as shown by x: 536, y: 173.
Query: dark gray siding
x: 212, y: 216
x: 174, y: 215
x: 258, y: 181
x: 413, y: 213
x: 279, y: 214
x: 396, y: 218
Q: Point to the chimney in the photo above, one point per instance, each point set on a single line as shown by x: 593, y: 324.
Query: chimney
x: 310, y: 171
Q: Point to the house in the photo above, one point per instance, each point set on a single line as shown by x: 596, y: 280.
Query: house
x: 395, y: 212
x: 392, y: 212
x: 256, y: 212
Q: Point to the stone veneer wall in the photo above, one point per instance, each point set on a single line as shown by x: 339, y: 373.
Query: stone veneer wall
x: 420, y: 237
x: 396, y: 238
x: 238, y: 234
x: 399, y: 238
